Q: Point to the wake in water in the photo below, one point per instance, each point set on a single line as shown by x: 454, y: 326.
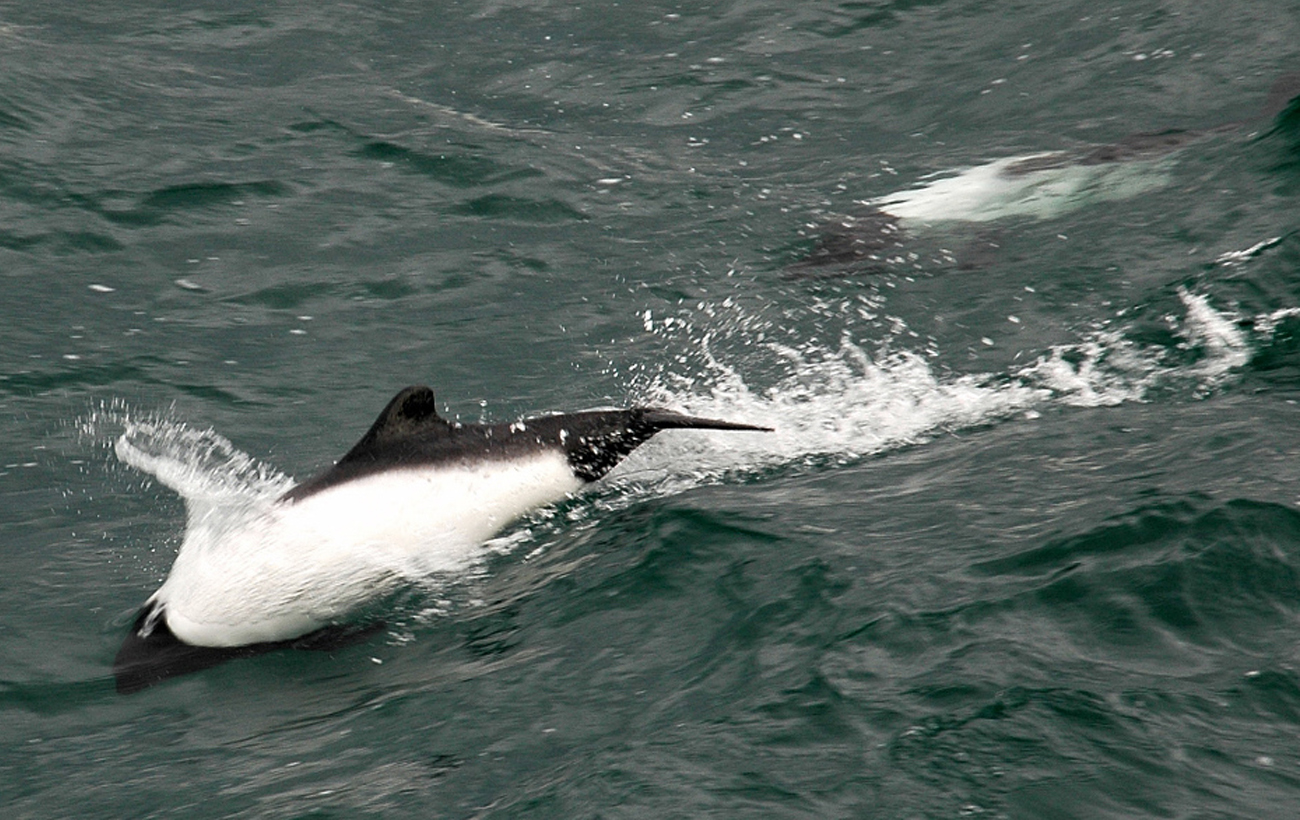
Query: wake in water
x: 846, y: 402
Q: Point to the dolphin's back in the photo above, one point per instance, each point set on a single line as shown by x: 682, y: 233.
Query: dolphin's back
x: 410, y: 433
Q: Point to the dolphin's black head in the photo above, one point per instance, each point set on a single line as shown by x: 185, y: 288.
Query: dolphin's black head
x: 152, y: 654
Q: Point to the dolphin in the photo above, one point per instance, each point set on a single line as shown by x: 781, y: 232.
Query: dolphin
x: 1040, y: 186
x: 417, y: 493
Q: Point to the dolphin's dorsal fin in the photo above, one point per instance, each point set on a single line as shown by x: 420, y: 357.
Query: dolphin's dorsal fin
x: 412, y: 412
x: 411, y: 417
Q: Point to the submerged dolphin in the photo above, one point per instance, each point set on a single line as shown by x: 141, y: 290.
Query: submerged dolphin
x: 1043, y: 185
x: 414, y: 490
x: 1036, y: 186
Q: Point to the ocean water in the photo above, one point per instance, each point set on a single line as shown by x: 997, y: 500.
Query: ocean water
x: 1025, y: 542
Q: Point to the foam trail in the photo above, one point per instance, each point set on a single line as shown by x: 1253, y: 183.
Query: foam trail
x: 845, y: 403
x: 1102, y: 371
x: 1233, y: 259
x: 838, y: 405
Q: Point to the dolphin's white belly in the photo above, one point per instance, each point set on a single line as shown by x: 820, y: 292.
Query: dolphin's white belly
x: 298, y: 566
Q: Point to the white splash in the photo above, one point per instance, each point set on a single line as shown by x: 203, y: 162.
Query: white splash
x: 201, y: 466
x: 1223, y: 342
x: 1102, y: 371
x: 1267, y: 323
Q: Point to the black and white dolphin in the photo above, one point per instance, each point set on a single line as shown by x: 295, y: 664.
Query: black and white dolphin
x: 1039, y: 186
x: 413, y: 494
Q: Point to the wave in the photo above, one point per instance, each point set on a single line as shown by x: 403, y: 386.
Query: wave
x: 1168, y: 571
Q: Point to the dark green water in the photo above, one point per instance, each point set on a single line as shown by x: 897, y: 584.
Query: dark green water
x: 1026, y: 542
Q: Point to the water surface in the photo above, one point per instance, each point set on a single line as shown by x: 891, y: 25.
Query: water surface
x: 1024, y: 544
